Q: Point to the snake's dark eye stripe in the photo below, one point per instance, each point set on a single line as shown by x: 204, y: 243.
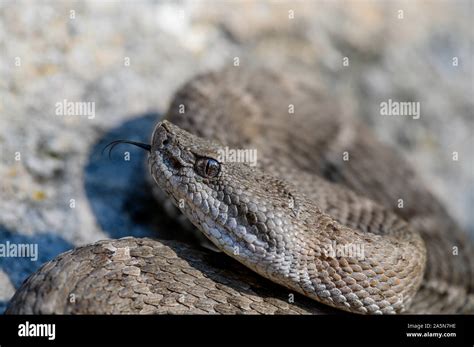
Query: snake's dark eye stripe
x: 207, y: 167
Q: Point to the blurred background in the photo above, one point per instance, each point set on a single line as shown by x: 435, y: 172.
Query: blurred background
x: 129, y: 57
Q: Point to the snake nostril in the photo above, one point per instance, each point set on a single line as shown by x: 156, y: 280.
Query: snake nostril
x: 165, y: 142
x: 174, y: 163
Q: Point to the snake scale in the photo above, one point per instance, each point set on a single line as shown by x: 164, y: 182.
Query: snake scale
x: 322, y: 181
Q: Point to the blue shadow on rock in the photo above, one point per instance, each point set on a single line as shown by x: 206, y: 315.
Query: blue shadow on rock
x: 19, y: 268
x: 119, y: 195
x: 117, y: 188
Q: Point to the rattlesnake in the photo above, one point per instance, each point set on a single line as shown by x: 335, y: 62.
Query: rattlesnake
x: 321, y: 181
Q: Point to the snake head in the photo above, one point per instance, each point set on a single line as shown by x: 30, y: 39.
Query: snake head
x: 180, y: 149
x: 183, y: 165
x: 236, y: 206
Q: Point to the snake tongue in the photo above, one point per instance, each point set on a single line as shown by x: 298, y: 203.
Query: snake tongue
x: 112, y: 145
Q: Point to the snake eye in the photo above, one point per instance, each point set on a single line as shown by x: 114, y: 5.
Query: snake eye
x: 207, y: 167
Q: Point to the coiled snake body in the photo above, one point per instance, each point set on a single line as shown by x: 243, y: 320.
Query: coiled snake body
x: 318, y: 215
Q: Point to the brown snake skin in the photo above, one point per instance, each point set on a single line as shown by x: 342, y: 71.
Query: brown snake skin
x: 139, y: 276
x: 301, y: 197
